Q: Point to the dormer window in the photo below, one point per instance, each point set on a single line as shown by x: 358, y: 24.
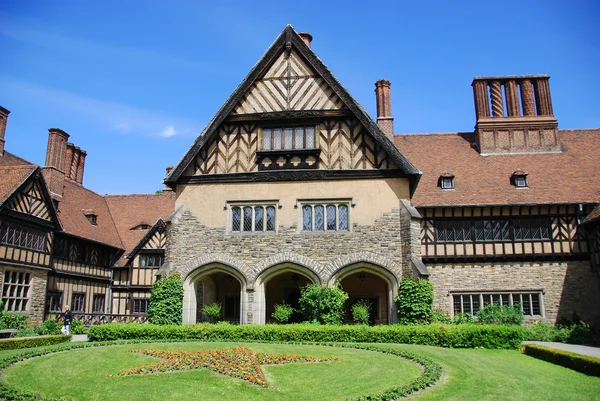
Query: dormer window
x: 446, y: 181
x: 519, y: 179
x: 91, y: 216
x: 142, y: 226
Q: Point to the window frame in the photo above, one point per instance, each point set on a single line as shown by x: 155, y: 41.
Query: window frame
x: 73, y: 303
x: 49, y: 301
x: 283, y: 128
x: 95, y: 297
x: 325, y: 203
x: 40, y: 237
x: 509, y: 229
x: 16, y: 294
x: 152, y: 255
x: 241, y: 205
x: 502, y: 296
x: 141, y: 301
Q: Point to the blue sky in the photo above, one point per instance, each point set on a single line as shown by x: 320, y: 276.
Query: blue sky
x: 134, y: 82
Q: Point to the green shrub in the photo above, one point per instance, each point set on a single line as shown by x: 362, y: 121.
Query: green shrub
x: 441, y: 335
x: 439, y: 316
x: 500, y: 314
x: 283, y: 313
x: 213, y: 311
x: 414, y: 301
x: 49, y: 327
x: 584, y: 364
x: 361, y: 311
x: 322, y: 304
x: 77, y: 327
x: 12, y: 320
x: 462, y: 318
x: 166, y: 301
x: 30, y: 342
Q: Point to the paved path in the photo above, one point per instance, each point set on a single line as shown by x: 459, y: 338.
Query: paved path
x: 79, y: 337
x: 578, y: 349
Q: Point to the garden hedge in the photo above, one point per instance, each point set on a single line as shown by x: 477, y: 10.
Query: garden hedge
x: 30, y: 342
x: 450, y: 336
x: 581, y: 363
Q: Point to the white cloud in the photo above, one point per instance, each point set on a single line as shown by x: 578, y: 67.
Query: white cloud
x: 168, y: 132
x: 112, y: 115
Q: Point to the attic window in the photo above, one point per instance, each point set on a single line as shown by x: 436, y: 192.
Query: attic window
x: 287, y: 138
x: 91, y: 216
x: 519, y: 179
x: 446, y: 181
x: 141, y: 227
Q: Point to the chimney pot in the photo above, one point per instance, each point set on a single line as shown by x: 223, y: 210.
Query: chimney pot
x: 306, y: 37
x: 3, y: 119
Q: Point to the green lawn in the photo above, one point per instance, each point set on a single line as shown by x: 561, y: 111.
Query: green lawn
x: 469, y: 374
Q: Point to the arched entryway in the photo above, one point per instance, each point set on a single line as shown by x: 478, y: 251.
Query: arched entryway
x: 214, y: 283
x: 372, y: 283
x: 279, y: 284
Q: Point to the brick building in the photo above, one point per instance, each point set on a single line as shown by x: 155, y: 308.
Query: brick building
x: 293, y: 183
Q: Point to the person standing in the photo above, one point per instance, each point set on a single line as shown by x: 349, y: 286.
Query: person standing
x: 68, y: 318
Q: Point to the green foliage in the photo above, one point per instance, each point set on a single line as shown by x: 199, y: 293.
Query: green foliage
x: 452, y: 336
x: 29, y: 342
x: 12, y: 320
x: 462, y: 318
x: 584, y: 364
x: 77, y: 327
x: 322, y: 304
x: 283, y: 313
x: 439, y: 316
x: 500, y: 314
x: 49, y: 327
x: 213, y: 311
x: 361, y: 311
x: 166, y: 301
x: 414, y: 301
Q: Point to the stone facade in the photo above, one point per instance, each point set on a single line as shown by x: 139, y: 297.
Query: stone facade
x: 569, y: 288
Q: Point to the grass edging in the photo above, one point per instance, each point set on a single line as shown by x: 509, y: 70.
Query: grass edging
x: 431, y: 374
x: 580, y: 363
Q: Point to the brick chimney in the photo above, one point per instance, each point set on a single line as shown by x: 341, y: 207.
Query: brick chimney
x: 3, y: 119
x: 74, y: 163
x: 168, y: 171
x: 306, y: 37
x: 384, y: 107
x: 514, y: 115
x: 54, y: 170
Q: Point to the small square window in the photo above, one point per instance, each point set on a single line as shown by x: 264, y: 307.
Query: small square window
x: 447, y: 182
x: 520, y: 181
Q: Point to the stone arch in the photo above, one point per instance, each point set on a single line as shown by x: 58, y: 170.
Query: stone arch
x: 261, y: 307
x: 210, y: 258
x: 381, y: 274
x: 192, y: 278
x: 290, y: 258
x: 364, y: 257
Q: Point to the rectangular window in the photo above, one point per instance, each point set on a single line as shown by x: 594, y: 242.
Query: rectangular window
x: 253, y: 217
x: 469, y: 303
x: 325, y: 216
x: 140, y: 306
x: 152, y: 259
x: 15, y: 290
x: 55, y: 301
x: 490, y: 230
x: 78, y: 302
x: 23, y: 237
x: 98, y: 303
x: 284, y: 138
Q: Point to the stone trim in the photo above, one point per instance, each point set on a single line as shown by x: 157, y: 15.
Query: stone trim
x: 210, y: 258
x: 281, y: 258
x: 337, y: 265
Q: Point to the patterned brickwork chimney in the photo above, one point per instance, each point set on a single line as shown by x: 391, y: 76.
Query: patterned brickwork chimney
x: 514, y: 115
x: 384, y: 107
x: 306, y: 37
x: 54, y: 170
x: 74, y: 163
x: 3, y: 119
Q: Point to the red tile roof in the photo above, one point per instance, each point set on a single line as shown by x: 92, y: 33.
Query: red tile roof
x: 9, y: 159
x: 71, y: 208
x: 130, y: 211
x: 594, y: 216
x: 567, y: 177
x: 12, y: 177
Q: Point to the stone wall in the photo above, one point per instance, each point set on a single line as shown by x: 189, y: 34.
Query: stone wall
x: 37, y: 290
x: 569, y: 287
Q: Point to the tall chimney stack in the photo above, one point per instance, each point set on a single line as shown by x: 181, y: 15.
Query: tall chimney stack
x: 54, y: 170
x: 384, y: 107
x: 168, y: 171
x: 74, y: 163
x: 306, y: 37
x: 3, y: 118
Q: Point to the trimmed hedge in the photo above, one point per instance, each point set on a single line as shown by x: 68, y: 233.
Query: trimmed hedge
x: 450, y: 336
x: 581, y: 363
x: 30, y: 342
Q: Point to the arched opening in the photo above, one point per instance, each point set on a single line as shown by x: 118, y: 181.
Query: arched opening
x: 214, y: 283
x: 284, y: 288
x: 278, y: 284
x: 370, y: 283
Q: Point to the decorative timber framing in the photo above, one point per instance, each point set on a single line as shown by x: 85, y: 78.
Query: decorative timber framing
x: 565, y: 240
x: 288, y: 41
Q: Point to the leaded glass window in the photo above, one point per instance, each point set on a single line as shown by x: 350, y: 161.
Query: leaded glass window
x: 529, y: 302
x: 21, y: 236
x: 15, y: 290
x: 252, y: 218
x: 289, y: 138
x: 489, y: 230
x: 325, y: 217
